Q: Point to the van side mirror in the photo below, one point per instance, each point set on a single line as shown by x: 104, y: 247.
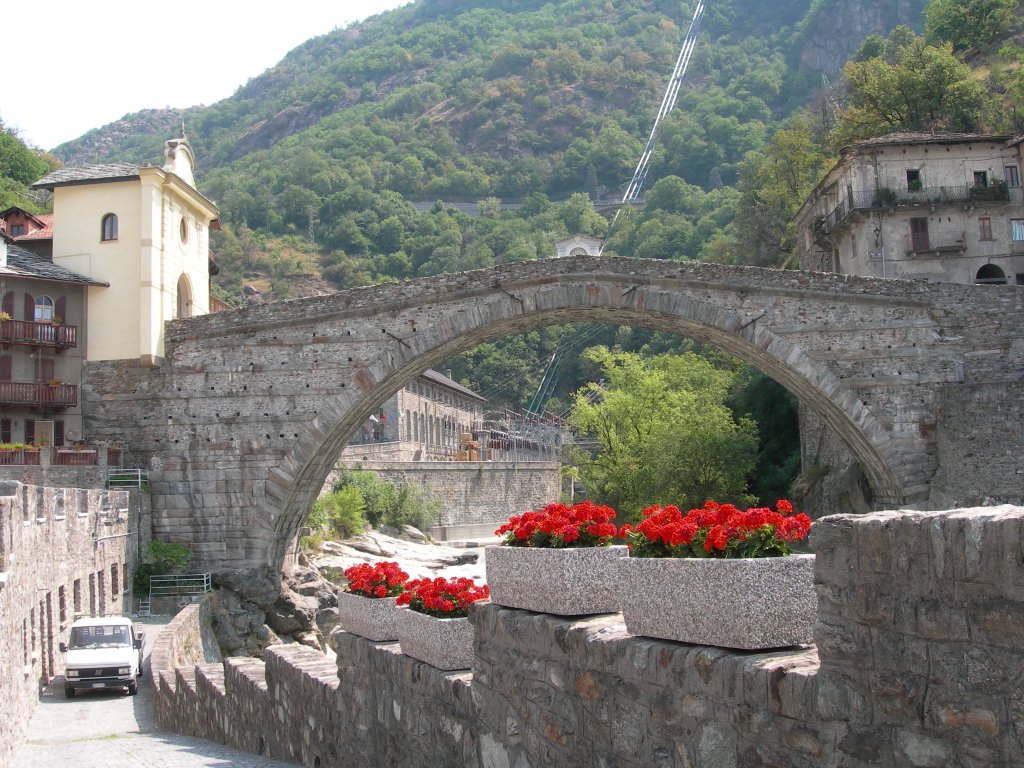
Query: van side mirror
x: 139, y: 636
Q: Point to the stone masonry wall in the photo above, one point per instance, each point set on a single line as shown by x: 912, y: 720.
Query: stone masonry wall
x: 980, y: 445
x: 62, y: 551
x: 918, y: 662
x: 475, y: 494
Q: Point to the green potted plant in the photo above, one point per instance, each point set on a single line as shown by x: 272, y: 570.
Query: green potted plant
x: 559, y: 560
x: 367, y: 608
x: 724, y: 576
x: 434, y: 625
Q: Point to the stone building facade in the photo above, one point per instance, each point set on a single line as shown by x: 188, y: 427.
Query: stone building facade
x: 925, y: 206
x: 937, y: 207
x: 423, y: 421
x: 62, y: 552
x: 917, y: 662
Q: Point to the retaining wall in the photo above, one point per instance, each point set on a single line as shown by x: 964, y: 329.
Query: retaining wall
x: 476, y: 496
x: 62, y: 551
x: 918, y: 662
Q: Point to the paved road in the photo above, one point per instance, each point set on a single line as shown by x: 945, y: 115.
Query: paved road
x: 109, y: 728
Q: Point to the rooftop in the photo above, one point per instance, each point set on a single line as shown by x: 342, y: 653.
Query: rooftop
x: 439, y: 378
x: 88, y: 174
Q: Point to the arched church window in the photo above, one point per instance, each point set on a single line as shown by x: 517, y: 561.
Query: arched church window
x: 108, y: 230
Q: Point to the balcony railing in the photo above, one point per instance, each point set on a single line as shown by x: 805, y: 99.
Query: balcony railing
x: 38, y: 394
x: 19, y: 457
x: 38, y: 334
x: 897, y: 198
x: 936, y: 243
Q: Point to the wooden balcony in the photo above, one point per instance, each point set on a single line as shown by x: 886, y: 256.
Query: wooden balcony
x: 34, y: 334
x: 38, y: 394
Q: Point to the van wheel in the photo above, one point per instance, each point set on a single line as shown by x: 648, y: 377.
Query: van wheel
x: 133, y: 687
x: 69, y: 693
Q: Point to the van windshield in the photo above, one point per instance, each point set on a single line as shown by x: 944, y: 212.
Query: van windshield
x: 102, y: 636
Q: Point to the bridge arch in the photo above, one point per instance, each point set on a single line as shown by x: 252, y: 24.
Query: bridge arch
x: 604, y: 300
x: 245, y: 417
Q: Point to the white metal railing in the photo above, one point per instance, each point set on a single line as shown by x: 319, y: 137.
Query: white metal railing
x: 126, y: 478
x: 179, y: 584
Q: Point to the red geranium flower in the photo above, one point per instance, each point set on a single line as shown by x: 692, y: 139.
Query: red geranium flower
x: 717, y: 530
x: 385, y: 579
x: 559, y: 526
x: 442, y: 598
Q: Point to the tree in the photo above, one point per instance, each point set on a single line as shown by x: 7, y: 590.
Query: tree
x: 663, y: 431
x: 909, y: 85
x: 967, y: 23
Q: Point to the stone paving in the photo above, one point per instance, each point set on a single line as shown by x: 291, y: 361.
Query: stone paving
x: 109, y: 728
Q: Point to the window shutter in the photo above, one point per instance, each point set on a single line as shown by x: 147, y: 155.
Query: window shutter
x: 30, y: 431
x: 5, y: 368
x: 60, y: 309
x: 30, y: 307
x: 5, y: 431
x: 8, y: 304
x: 58, y: 433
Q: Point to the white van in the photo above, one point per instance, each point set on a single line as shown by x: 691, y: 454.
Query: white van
x: 103, y: 652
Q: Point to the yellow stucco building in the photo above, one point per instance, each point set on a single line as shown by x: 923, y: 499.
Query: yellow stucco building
x: 142, y: 230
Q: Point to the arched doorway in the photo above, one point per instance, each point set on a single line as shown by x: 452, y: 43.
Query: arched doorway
x: 184, y: 307
x: 990, y: 274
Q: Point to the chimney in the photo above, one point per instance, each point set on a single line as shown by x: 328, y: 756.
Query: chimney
x: 448, y: 373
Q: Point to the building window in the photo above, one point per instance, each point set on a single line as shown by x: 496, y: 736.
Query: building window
x: 913, y: 179
x: 1017, y: 230
x: 1012, y: 175
x: 5, y: 431
x: 981, y: 178
x: 919, y: 234
x: 16, y: 230
x: 985, y: 228
x: 183, y: 230
x: 990, y: 274
x: 109, y: 228
x: 44, y: 309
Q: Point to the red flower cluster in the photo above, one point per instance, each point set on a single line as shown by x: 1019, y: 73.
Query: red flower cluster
x: 384, y: 579
x: 560, y: 526
x: 443, y: 598
x: 717, y: 530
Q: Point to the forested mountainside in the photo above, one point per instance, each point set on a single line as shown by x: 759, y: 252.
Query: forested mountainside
x: 315, y: 162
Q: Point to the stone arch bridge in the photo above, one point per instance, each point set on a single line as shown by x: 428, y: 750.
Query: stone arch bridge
x: 241, y: 422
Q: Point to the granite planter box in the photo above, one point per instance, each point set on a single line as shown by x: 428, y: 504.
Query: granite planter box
x: 765, y: 602
x: 443, y: 643
x: 565, y: 582
x: 369, y: 617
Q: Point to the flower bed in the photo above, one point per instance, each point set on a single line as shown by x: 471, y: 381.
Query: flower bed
x: 434, y: 628
x: 725, y: 577
x: 368, y: 609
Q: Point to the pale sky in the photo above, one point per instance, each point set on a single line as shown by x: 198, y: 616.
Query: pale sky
x: 79, y: 65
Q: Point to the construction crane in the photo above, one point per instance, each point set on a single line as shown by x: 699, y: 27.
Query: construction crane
x: 668, y: 103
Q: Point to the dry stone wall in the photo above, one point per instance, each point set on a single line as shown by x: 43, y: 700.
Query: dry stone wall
x: 62, y: 551
x: 918, y: 662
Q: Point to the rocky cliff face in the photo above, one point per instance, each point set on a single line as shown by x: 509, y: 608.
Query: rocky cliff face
x: 840, y: 26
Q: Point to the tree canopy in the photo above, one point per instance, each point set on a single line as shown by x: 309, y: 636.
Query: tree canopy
x: 664, y: 432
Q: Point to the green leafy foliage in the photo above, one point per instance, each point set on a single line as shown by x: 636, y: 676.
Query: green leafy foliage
x: 967, y: 23
x: 361, y: 497
x: 20, y: 166
x: 663, y: 431
x: 905, y: 83
x: 160, y: 558
x: 342, y: 511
